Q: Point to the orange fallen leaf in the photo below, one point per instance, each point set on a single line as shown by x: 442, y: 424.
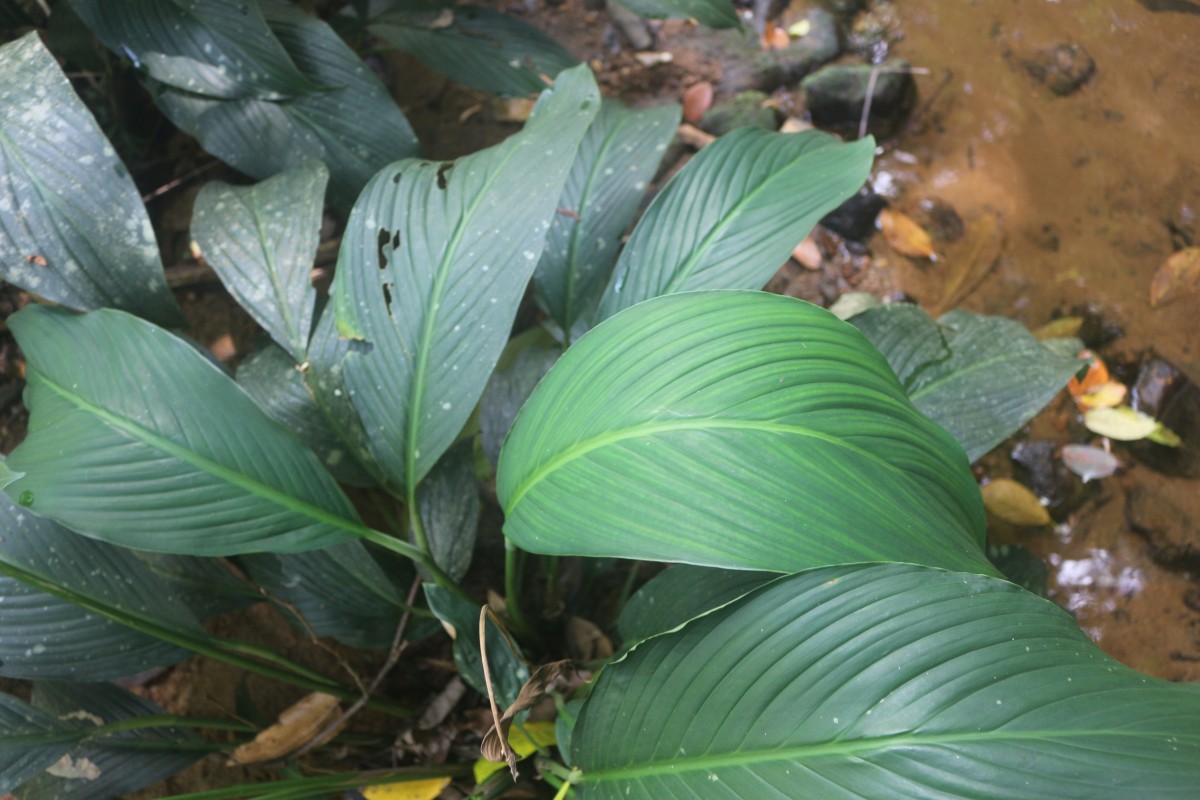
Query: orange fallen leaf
x: 1008, y: 500
x: 775, y: 37
x: 904, y: 235
x: 1178, y: 274
x: 299, y: 724
x: 808, y: 254
x: 697, y: 100
x: 1097, y: 375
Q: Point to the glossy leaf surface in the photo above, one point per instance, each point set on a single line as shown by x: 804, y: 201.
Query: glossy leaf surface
x: 476, y: 46
x: 885, y: 681
x: 734, y: 429
x: 120, y: 448
x: 433, y: 265
x: 72, y: 225
x: 680, y: 594
x: 449, y: 502
x: 981, y: 378
x: 528, y: 357
x: 617, y: 160
x: 509, y: 670
x: 732, y: 216
x: 352, y: 124
x: 28, y: 743
x: 220, y: 48
x: 262, y: 240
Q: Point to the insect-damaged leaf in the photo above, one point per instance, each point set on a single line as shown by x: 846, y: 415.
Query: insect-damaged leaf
x: 433, y: 264
x: 72, y: 226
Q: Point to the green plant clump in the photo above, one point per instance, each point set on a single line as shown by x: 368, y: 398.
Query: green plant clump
x: 831, y: 626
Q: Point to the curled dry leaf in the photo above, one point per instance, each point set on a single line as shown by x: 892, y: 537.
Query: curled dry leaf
x: 904, y: 235
x: 808, y: 254
x: 1178, y: 274
x: 1089, y: 462
x: 296, y: 727
x: 544, y: 679
x: 1008, y: 500
x: 524, y: 739
x: 697, y: 100
x: 425, y: 789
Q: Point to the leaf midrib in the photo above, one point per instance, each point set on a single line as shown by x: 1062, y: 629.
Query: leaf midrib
x: 748, y: 758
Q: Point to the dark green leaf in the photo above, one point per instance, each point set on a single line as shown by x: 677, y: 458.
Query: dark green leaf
x: 72, y: 226
x: 509, y: 670
x: 886, y: 681
x: 981, y: 378
x: 713, y: 13
x: 433, y: 265
x: 30, y: 741
x: 136, y: 438
x: 617, y: 159
x: 735, y: 429
x: 681, y: 593
x: 123, y: 762
x: 220, y: 48
x: 449, y: 503
x: 274, y: 380
x: 262, y: 241
x: 476, y: 46
x: 734, y: 214
x: 354, y: 126
x: 524, y: 361
x: 205, y: 585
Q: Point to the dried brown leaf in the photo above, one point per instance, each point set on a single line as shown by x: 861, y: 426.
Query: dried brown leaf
x: 585, y: 641
x: 697, y: 100
x: 544, y: 679
x: 1008, y: 500
x: 1179, y: 274
x: 296, y: 727
x: 808, y: 254
x: 904, y: 235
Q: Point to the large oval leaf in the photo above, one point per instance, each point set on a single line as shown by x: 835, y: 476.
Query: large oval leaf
x: 30, y: 741
x: 735, y: 429
x: 72, y: 226
x: 138, y: 439
x: 734, y: 213
x: 886, y: 681
x: 433, y: 264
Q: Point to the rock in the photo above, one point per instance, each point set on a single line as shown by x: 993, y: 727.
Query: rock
x: 1167, y: 394
x: 1062, y: 68
x: 633, y: 27
x: 836, y: 96
x: 1173, y: 537
x: 1098, y: 329
x: 1048, y: 477
x: 743, y: 110
x: 854, y: 220
x: 748, y: 66
x: 844, y: 9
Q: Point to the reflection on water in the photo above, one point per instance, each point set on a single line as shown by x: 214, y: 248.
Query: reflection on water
x: 1097, y: 581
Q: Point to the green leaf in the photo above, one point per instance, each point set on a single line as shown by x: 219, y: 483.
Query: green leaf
x: 527, y: 358
x: 274, y: 380
x: 476, y: 46
x: 137, y: 439
x: 354, y: 126
x: 734, y: 214
x: 735, y: 429
x: 262, y: 241
x: 885, y: 681
x: 44, y: 636
x: 713, y: 13
x: 121, y: 763
x: 72, y: 225
x: 433, y: 265
x: 30, y: 741
x: 680, y: 594
x: 509, y: 670
x: 220, y: 48
x: 981, y: 378
x: 449, y: 503
x: 617, y: 159
x: 340, y: 591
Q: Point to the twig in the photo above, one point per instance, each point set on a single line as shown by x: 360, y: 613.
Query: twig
x: 399, y: 645
x: 166, y: 187
x: 509, y: 755
x: 866, y: 112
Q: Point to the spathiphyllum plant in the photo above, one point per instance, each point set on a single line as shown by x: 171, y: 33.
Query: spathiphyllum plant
x: 831, y: 626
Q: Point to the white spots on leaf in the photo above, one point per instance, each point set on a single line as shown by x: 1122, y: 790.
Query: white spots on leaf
x: 446, y: 406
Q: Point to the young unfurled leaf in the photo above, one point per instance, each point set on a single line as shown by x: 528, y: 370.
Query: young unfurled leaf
x: 1179, y: 274
x: 904, y: 235
x: 1014, y: 503
x: 297, y: 726
x: 1089, y: 462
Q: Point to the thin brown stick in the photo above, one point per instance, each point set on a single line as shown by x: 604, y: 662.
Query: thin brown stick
x: 509, y: 755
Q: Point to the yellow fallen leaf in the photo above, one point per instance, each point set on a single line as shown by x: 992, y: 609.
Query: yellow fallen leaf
x: 1008, y: 500
x: 426, y: 789
x: 904, y: 235
x: 1103, y: 395
x: 1178, y: 274
x: 542, y: 733
x: 1060, y: 328
x: 799, y: 29
x: 1121, y: 423
x: 297, y: 726
x: 1164, y: 436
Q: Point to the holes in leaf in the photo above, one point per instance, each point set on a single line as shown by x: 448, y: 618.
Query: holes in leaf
x: 381, y: 242
x: 396, y: 177
x: 387, y: 297
x: 442, y: 172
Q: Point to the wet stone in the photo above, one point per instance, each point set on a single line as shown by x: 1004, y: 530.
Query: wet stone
x: 844, y: 9
x: 1048, y: 477
x: 744, y: 110
x: 836, y: 96
x: 939, y: 219
x: 1098, y: 328
x: 1062, y: 68
x: 854, y: 220
x: 1172, y: 535
x: 1167, y: 394
x: 747, y: 66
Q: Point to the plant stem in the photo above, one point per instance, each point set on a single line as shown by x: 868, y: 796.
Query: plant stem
x: 512, y: 592
x: 126, y: 725
x: 416, y: 524
x: 423, y: 560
